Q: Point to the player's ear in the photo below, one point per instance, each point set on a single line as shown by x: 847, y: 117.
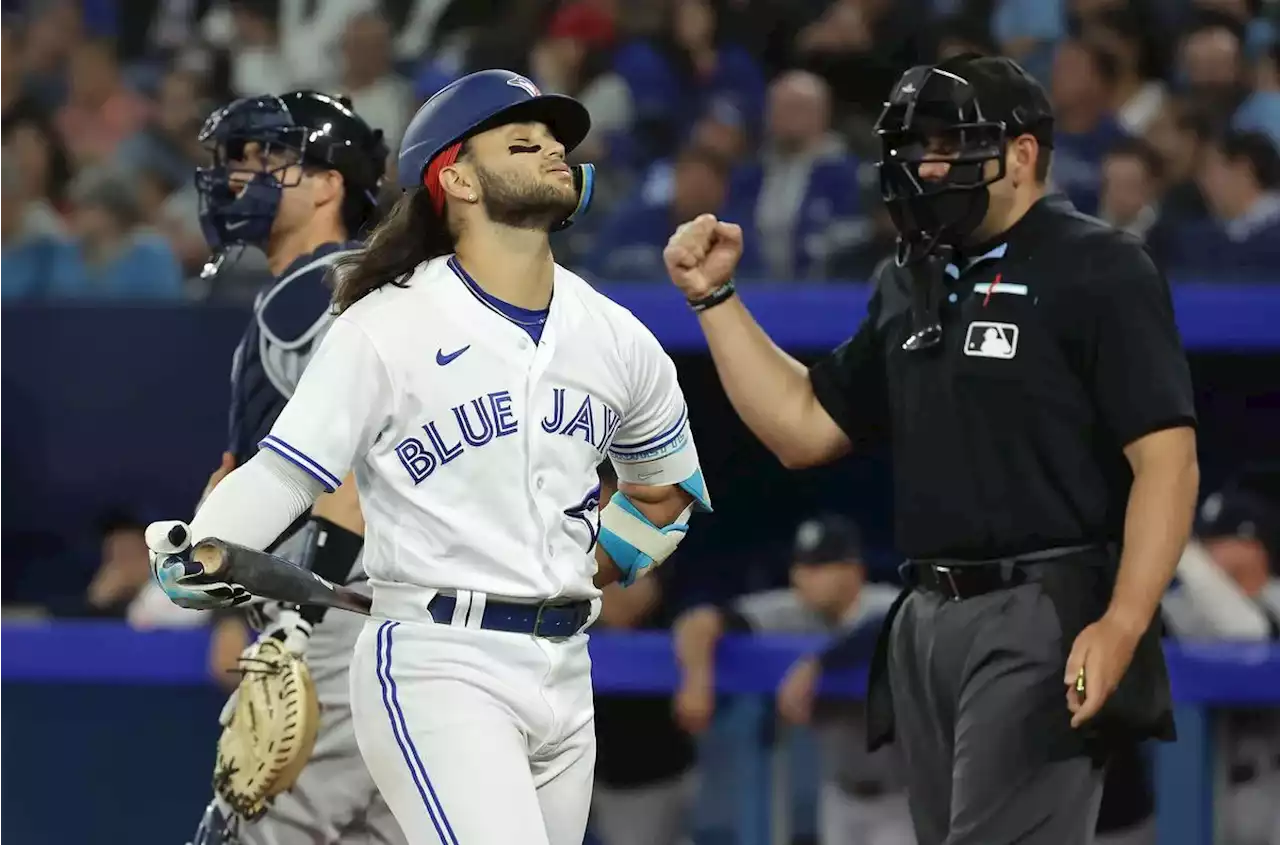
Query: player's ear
x: 327, y: 188
x: 459, y: 182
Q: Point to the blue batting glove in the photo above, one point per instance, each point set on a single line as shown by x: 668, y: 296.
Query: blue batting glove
x: 184, y: 580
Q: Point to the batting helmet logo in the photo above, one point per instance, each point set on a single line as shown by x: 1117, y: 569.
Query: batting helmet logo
x: 481, y: 101
x: 527, y: 85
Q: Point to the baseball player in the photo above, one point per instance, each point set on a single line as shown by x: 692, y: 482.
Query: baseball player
x: 474, y: 386
x: 296, y: 176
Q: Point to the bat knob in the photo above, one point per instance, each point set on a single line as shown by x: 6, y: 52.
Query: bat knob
x: 177, y: 535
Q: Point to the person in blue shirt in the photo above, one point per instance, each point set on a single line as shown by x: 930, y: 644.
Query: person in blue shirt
x: 33, y: 252
x: 296, y: 176
x: 630, y: 242
x: 673, y: 79
x: 1085, y: 128
x: 1240, y: 179
x: 112, y: 254
x: 802, y: 192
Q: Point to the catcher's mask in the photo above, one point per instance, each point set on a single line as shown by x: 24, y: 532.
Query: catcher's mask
x: 962, y: 112
x: 258, y: 146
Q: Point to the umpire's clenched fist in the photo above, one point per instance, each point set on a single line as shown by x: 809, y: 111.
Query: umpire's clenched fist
x: 702, y: 255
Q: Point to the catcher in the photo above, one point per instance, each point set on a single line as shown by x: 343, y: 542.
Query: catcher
x: 296, y: 176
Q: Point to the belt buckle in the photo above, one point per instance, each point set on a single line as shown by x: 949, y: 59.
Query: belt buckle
x: 949, y: 577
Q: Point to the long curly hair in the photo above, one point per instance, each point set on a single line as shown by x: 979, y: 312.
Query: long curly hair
x: 411, y: 234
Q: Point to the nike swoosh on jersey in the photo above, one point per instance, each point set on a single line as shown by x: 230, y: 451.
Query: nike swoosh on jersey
x: 443, y: 359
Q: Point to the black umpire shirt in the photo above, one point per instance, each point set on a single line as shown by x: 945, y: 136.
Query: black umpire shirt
x: 1010, y: 438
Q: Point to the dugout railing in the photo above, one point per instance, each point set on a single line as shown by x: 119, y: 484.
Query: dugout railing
x: 108, y: 732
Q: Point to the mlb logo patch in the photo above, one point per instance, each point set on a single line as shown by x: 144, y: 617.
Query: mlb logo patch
x: 991, y: 340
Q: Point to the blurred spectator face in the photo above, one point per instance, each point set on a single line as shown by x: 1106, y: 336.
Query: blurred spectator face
x: 1210, y: 58
x: 12, y: 201
x: 97, y: 225
x: 556, y: 62
x: 28, y: 147
x: 1176, y: 143
x: 1243, y: 559
x: 1128, y: 186
x: 1228, y: 186
x: 724, y: 138
x: 693, y: 24
x: 700, y: 185
x: 1267, y: 71
x: 1076, y: 80
x: 366, y: 49
x: 1126, y: 50
x: 10, y: 64
x: 94, y: 75
x: 799, y: 110
x: 179, y: 106
x: 826, y: 588
x: 252, y: 27
x: 55, y: 31
x: 573, y: 32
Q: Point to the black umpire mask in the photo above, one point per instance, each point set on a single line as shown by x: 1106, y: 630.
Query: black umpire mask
x: 961, y: 114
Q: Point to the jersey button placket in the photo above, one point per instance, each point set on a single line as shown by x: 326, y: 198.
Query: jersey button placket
x: 538, y: 480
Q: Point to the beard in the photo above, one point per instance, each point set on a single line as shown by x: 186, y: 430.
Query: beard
x: 522, y: 203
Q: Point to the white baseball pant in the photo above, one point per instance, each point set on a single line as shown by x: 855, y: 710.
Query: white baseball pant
x: 476, y: 737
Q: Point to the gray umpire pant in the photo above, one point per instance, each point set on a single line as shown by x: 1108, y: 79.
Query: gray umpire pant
x: 977, y: 695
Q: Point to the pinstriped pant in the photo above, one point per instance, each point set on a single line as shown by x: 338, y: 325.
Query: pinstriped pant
x: 476, y: 737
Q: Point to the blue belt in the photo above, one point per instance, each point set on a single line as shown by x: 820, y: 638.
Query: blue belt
x: 549, y: 619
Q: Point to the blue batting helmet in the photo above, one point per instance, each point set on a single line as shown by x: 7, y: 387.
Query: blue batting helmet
x: 481, y: 101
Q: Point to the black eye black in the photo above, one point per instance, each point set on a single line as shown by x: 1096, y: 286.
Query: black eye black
x: 521, y: 148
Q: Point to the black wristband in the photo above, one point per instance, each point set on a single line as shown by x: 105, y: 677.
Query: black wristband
x: 711, y: 300
x: 333, y: 554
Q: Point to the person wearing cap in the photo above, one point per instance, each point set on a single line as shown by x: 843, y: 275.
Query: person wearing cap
x: 861, y: 800
x: 1228, y: 588
x: 472, y: 386
x: 1022, y: 362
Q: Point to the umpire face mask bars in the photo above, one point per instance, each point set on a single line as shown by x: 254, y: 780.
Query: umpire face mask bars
x: 934, y: 180
x: 933, y: 118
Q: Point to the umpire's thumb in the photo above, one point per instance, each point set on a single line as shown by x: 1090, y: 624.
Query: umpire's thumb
x: 169, y: 537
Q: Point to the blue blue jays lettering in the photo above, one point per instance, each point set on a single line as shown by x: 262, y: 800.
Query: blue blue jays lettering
x: 477, y: 422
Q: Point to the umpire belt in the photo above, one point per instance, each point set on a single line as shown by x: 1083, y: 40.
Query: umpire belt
x: 555, y: 618
x: 958, y: 580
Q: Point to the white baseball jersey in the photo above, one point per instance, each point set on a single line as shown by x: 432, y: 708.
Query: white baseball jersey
x: 475, y: 450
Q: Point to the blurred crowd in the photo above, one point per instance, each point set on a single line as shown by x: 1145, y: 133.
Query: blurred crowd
x: 1168, y: 119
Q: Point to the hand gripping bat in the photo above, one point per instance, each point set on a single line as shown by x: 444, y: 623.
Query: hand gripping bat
x: 272, y: 577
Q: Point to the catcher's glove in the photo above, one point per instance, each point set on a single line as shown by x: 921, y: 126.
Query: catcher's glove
x: 269, y: 728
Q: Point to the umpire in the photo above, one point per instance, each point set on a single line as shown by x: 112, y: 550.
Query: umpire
x: 1022, y: 362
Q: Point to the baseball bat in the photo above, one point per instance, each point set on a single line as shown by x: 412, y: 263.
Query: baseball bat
x: 274, y: 577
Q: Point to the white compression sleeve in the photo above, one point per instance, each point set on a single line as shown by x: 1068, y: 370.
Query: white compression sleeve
x: 256, y: 502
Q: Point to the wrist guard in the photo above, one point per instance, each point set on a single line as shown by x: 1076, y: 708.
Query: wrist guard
x: 332, y: 551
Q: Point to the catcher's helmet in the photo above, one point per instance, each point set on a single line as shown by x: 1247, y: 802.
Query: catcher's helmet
x: 974, y: 106
x: 481, y: 101
x: 312, y: 129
